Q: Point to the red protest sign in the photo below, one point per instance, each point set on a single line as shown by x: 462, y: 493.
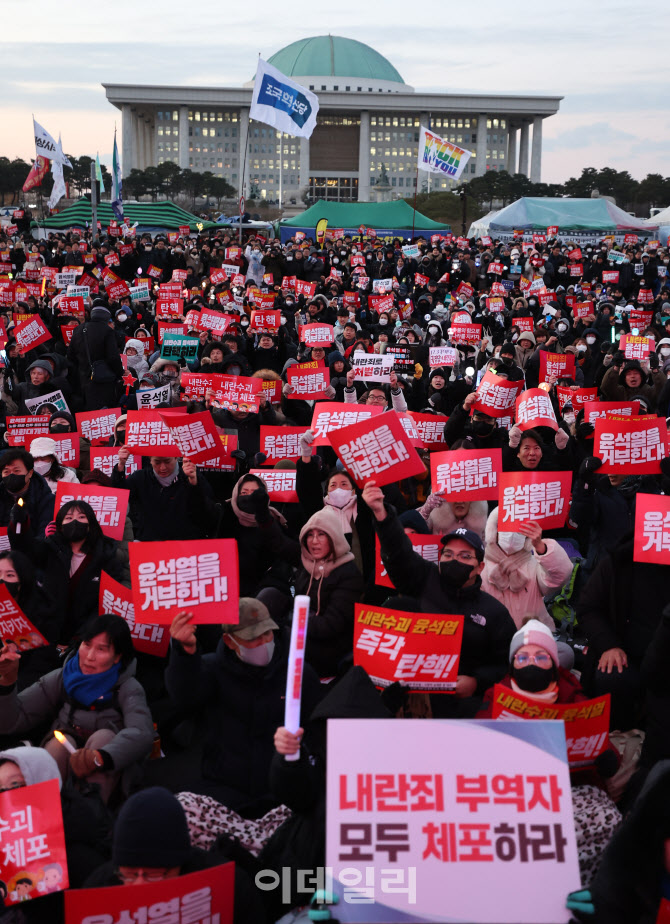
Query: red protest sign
x: 217, y: 276
x: 97, y: 425
x: 465, y: 333
x: 272, y: 390
x: 495, y: 304
x: 165, y: 328
x: 645, y: 297
x: 610, y: 276
x: 552, y: 231
x: 427, y: 546
x: 224, y: 462
x: 430, y: 428
x: 419, y: 650
x: 577, y: 397
x: 104, y: 459
x: 265, y: 320
x: 33, y: 842
x: 26, y: 425
x: 476, y: 472
x: 72, y: 305
x: 525, y: 324
x: 196, y: 384
x: 583, y: 310
x: 380, y: 303
x: 205, y: 897
x: 16, y: 630
x: 543, y: 497
x: 169, y: 307
x: 31, y: 333
x: 636, y: 347
x: 495, y: 395
x: 280, y: 483
x: 214, y: 321
x: 558, y: 365
x: 110, y: 505
x: 652, y: 529
x: 640, y: 318
x: 576, y: 270
x: 496, y: 268
x: 67, y: 448
x: 420, y: 279
x: 633, y: 447
x: 630, y: 238
x: 534, y: 409
x: 305, y: 288
x: 118, y: 599
x: 586, y: 722
x: 593, y: 410
x: 333, y: 415
x: 466, y: 290
x: 198, y: 575
x: 317, y: 335
x: 376, y: 449
x: 238, y: 393
x: 410, y: 429
x: 280, y: 443
x: 147, y: 435
x: 195, y: 435
x: 118, y: 289
x: 308, y: 380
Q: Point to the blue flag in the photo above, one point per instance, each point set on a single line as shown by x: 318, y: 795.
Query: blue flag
x: 281, y: 103
x: 117, y: 200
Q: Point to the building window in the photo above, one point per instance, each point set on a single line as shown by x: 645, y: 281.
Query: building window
x: 336, y: 88
x: 323, y: 86
x: 347, y: 89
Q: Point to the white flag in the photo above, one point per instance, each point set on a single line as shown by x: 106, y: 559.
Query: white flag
x: 436, y: 155
x: 47, y: 147
x: 58, y: 190
x: 281, y: 103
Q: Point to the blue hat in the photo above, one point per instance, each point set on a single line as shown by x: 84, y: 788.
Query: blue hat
x: 467, y: 535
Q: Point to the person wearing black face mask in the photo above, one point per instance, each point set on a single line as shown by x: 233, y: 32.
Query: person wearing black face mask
x: 477, y: 432
x: 20, y: 482
x: 452, y: 586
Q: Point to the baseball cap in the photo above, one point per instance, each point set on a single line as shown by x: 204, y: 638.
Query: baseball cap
x: 255, y: 620
x: 467, y: 535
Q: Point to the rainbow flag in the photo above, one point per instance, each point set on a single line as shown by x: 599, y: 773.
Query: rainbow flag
x: 439, y: 156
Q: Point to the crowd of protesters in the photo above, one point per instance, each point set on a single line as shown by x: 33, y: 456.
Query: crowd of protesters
x: 558, y: 617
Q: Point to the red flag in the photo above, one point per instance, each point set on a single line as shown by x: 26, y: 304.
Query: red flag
x: 37, y: 173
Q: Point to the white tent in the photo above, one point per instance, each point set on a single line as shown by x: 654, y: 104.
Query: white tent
x: 662, y: 219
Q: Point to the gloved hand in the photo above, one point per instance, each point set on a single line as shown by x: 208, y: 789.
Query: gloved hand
x: 329, y: 392
x: 607, y: 359
x: 50, y: 528
x: 83, y: 762
x: 653, y: 360
x: 287, y: 389
x: 418, y: 371
x: 305, y: 443
x: 432, y: 501
x: 561, y: 439
x: 515, y: 435
x: 239, y: 454
x: 258, y: 503
x: 588, y: 469
x: 395, y: 697
x: 584, y: 430
x: 259, y: 458
x: 19, y: 513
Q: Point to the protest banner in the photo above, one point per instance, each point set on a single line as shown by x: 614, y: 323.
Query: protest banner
x: 33, y: 842
x: 465, y: 333
x: 382, y: 285
x: 577, y: 397
x: 640, y: 319
x: 197, y: 384
x: 410, y: 428
x: 16, y: 630
x: 280, y: 483
x: 169, y: 308
x: 586, y: 722
x: 308, y: 380
x: 105, y: 459
x: 633, y: 447
x: 110, y: 505
x: 214, y: 321
x: 334, y: 415
x: 543, y: 497
x: 176, y: 346
x: 205, y: 897
x: 199, y: 575
x: 402, y: 358
x: 376, y: 449
x: 65, y: 279
x: 317, y: 335
x: 169, y: 328
x: 371, y: 367
x: 594, y: 410
x: 556, y: 365
x: 534, y: 409
x: 481, y: 812
x: 582, y: 310
x: 427, y: 546
x: 147, y: 434
x: 442, y: 356
x: 652, y: 529
x: 26, y: 426
x: 73, y: 306
x: 265, y: 320
x: 636, y: 347
x: 437, y: 155
x: 381, y: 303
x: 151, y: 397
x: 67, y: 448
x: 224, y: 462
x: 195, y: 435
x: 54, y: 401
x: 279, y: 443
x: 610, y: 276
x: 460, y: 472
x: 117, y: 598
x: 496, y: 396
x: 97, y: 425
x: 421, y: 651
x: 497, y: 269
x: 430, y: 428
x: 30, y: 334
x: 271, y: 390
x: 238, y: 393
x: 305, y: 288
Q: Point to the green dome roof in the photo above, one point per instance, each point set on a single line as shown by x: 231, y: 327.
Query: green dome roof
x: 333, y: 56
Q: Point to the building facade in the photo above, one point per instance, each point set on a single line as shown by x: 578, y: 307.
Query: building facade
x: 365, y: 143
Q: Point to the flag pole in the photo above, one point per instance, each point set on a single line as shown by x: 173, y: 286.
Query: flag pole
x: 416, y: 186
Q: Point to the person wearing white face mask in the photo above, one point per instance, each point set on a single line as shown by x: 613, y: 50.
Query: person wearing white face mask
x: 520, y: 568
x: 236, y: 695
x: 43, y: 451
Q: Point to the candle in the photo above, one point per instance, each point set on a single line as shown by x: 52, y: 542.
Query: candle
x: 61, y: 739
x: 17, y: 526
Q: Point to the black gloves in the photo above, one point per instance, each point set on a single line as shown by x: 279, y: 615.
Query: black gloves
x: 19, y: 513
x: 258, y: 504
x: 588, y: 469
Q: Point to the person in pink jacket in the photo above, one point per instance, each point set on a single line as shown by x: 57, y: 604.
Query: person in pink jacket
x: 521, y: 568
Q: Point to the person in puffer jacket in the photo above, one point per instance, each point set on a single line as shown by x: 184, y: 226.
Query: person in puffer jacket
x: 444, y: 516
x: 520, y: 569
x: 333, y: 583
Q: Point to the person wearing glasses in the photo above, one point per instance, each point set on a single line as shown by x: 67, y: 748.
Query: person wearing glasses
x: 452, y: 586
x: 377, y: 394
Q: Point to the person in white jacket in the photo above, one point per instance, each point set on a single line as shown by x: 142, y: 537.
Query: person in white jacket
x: 376, y: 394
x: 521, y: 568
x: 43, y: 451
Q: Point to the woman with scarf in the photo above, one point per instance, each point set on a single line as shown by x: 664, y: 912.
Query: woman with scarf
x: 521, y: 568
x: 43, y: 451
x: 93, y: 700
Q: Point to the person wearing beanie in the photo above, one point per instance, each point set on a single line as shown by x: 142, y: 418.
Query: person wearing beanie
x: 46, y: 462
x: 508, y: 355
x: 633, y: 379
x: 94, y: 356
x: 20, y: 482
x: 39, y: 376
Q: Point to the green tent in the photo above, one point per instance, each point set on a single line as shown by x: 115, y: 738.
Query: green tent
x: 382, y: 216
x: 149, y: 215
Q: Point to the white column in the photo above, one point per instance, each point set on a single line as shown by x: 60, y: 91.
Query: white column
x: 136, y: 141
x: 480, y: 160
x: 423, y: 176
x: 141, y: 142
x: 183, y: 137
x: 127, y: 127
x: 511, y: 162
x: 244, y: 135
x: 151, y: 142
x: 364, y: 157
x: 536, y: 151
x: 303, y: 181
x: 523, y: 150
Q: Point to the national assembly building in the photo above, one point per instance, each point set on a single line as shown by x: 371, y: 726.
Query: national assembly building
x: 365, y: 140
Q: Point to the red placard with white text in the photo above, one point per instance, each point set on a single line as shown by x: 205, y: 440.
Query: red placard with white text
x: 376, y: 449
x: 71, y: 305
x: 427, y: 546
x: 30, y: 334
x: 305, y: 288
x: 558, y: 365
x: 205, y: 897
x: 333, y: 415
x: 198, y: 575
x: 117, y: 598
x: 496, y: 396
x: 582, y: 310
x: 652, y: 529
x: 67, y: 448
x: 110, y: 505
x: 195, y: 435
x: 577, y: 397
x: 16, y: 630
x: 543, y: 497
x: 465, y: 333
x: 238, y: 393
x: 265, y: 320
x: 272, y: 389
x: 317, y: 335
x: 636, y: 347
x: 534, y: 409
x: 97, y: 425
x: 105, y: 458
x: 419, y: 650
x: 464, y: 474
x: 633, y: 447
x: 280, y: 483
x: 308, y: 380
x: 147, y: 434
x: 593, y: 410
x: 169, y: 308
x: 280, y: 443
x: 430, y: 428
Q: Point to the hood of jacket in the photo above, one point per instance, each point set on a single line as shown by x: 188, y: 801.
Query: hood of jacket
x: 442, y: 519
x: 353, y: 697
x: 328, y: 522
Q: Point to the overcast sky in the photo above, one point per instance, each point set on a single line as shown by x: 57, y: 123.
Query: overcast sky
x: 608, y: 60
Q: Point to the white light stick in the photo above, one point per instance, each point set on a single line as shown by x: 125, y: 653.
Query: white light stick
x: 61, y: 739
x: 296, y: 662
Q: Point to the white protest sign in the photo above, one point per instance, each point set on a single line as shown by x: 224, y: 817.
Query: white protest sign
x: 411, y: 250
x: 63, y: 280
x: 139, y: 293
x: 369, y: 367
x: 83, y: 291
x: 382, y: 285
x: 152, y: 397
x: 442, y: 356
x: 54, y: 397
